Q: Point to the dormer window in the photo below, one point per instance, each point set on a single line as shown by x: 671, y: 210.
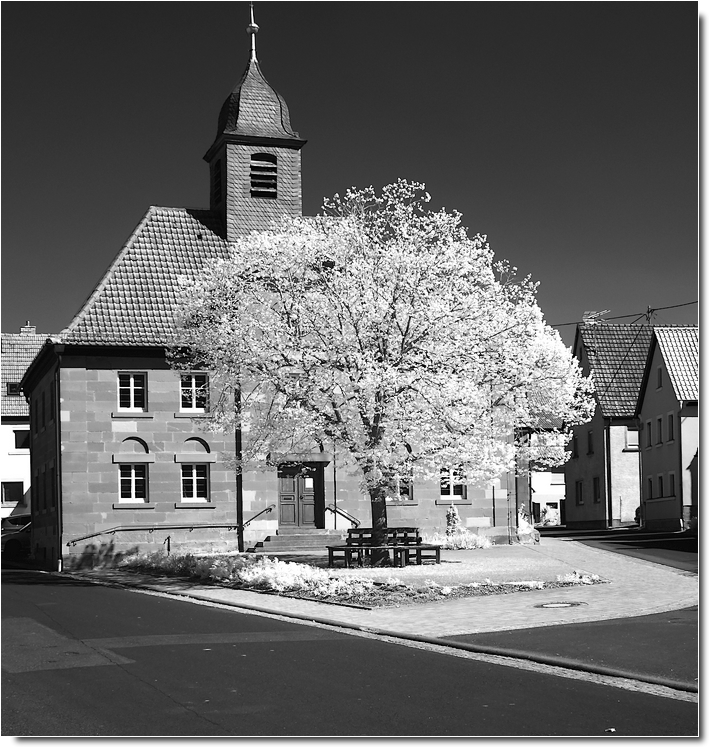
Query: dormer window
x: 264, y: 175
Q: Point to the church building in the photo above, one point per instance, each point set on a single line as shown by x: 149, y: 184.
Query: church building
x: 117, y: 435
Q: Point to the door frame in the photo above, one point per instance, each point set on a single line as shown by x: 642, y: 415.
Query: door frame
x: 300, y: 470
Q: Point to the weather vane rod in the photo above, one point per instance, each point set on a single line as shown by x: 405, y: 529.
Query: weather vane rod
x: 252, y: 29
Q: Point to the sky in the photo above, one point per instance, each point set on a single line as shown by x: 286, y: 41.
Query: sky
x: 565, y: 132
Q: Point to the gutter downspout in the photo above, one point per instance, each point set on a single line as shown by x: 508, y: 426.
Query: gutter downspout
x: 608, y: 476
x: 58, y: 458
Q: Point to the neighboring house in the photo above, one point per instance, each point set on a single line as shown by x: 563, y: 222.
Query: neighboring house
x: 120, y: 460
x: 668, y: 412
x: 18, y: 350
x: 603, y: 473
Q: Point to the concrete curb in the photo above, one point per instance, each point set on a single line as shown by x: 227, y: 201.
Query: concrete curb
x: 555, y: 661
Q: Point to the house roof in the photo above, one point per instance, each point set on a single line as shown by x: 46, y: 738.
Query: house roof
x: 135, y: 300
x: 18, y: 351
x: 616, y: 355
x: 680, y: 351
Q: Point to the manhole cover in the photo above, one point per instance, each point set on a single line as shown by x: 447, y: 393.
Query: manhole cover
x: 554, y: 605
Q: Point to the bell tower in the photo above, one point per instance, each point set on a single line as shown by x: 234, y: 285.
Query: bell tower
x: 254, y: 162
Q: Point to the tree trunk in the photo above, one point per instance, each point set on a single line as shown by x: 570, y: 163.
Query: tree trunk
x: 379, y: 525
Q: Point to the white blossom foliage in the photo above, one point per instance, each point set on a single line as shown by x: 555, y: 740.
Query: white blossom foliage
x: 382, y: 328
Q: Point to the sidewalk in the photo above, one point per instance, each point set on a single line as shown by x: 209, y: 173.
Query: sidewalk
x: 636, y: 588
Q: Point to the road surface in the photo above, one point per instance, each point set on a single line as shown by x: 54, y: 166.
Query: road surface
x: 81, y: 659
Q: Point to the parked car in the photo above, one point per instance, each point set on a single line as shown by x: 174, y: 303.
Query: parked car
x: 15, y: 521
x: 16, y: 540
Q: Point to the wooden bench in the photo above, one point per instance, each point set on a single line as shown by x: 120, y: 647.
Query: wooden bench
x: 404, y: 543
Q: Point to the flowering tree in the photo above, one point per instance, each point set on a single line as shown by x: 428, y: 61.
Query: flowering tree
x: 380, y: 327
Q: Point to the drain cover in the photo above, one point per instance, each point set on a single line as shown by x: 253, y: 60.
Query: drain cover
x: 554, y: 605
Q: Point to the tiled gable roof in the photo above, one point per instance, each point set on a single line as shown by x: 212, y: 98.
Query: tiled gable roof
x: 616, y: 355
x: 680, y: 351
x: 134, y: 302
x: 18, y: 351
x: 255, y: 109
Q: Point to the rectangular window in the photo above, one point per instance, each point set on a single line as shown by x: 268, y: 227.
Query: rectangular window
x: 658, y: 434
x: 631, y: 439
x: 134, y: 483
x: 131, y: 392
x: 648, y: 437
x: 13, y: 492
x: 660, y: 486
x: 596, y: 490
x: 649, y: 487
x: 579, y: 493
x: 403, y: 487
x: 453, y: 484
x: 670, y: 427
x: 22, y: 439
x: 659, y: 378
x: 13, y: 388
x: 589, y: 449
x: 574, y: 447
x: 671, y: 477
x: 43, y: 418
x: 195, y: 482
x: 194, y: 392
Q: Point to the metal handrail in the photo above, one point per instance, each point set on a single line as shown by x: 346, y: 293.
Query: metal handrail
x: 151, y: 528
x: 266, y: 510
x: 156, y: 527
x: 338, y: 510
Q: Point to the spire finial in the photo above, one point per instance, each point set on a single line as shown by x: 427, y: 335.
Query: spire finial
x: 252, y: 29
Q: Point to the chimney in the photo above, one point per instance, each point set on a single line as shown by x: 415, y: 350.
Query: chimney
x: 28, y: 329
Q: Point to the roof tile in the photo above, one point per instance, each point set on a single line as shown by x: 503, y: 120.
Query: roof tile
x: 680, y: 351
x: 616, y: 354
x: 18, y: 351
x: 134, y: 302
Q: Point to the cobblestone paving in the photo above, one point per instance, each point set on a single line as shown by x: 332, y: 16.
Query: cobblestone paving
x: 636, y: 587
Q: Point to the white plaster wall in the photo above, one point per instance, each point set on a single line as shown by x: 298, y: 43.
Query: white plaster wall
x: 14, y: 466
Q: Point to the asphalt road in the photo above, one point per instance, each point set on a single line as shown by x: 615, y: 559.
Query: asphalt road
x: 674, y: 549
x: 86, y: 660
x: 664, y: 645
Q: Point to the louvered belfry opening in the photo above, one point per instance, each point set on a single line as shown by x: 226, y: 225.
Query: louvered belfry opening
x: 264, y: 175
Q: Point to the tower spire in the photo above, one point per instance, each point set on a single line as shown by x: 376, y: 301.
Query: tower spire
x: 252, y: 30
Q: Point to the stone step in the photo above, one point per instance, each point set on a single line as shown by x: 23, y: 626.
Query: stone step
x: 311, y: 531
x: 260, y: 549
x: 302, y: 540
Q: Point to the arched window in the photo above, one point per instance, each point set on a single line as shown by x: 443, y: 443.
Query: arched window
x: 133, y: 458
x: 264, y: 175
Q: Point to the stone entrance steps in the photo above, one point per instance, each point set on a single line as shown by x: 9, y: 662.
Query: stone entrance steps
x: 298, y: 539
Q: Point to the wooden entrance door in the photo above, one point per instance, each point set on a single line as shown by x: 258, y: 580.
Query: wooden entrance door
x: 300, y: 495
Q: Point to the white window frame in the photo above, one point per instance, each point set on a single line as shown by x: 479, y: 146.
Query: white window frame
x: 132, y: 389
x: 194, y: 479
x: 188, y: 385
x: 629, y: 444
x: 6, y: 490
x: 133, y: 478
x: 456, y: 479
